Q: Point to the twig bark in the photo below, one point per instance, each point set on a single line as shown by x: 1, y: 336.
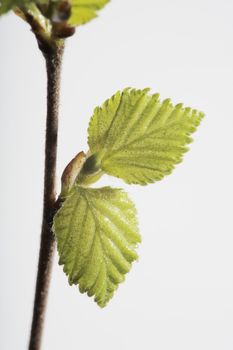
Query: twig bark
x: 53, y: 64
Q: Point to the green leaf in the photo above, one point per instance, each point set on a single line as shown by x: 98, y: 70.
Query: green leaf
x: 83, y: 11
x: 7, y: 5
x: 97, y: 233
x: 138, y: 138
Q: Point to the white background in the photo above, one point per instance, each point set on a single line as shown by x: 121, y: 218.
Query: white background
x: 179, y: 296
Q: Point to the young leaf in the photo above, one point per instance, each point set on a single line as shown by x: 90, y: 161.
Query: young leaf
x: 83, y: 11
x: 7, y: 5
x: 97, y: 233
x: 138, y: 138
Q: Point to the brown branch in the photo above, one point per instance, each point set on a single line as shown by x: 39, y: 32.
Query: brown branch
x: 53, y: 65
